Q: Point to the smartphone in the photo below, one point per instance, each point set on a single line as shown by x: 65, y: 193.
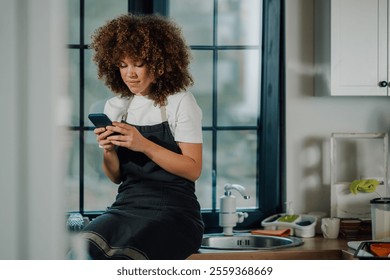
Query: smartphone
x: 100, y: 120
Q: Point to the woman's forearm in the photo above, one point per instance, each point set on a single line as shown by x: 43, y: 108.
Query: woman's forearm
x: 187, y: 165
x: 111, y: 165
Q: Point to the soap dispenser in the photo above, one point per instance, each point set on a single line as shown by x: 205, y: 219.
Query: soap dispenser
x: 228, y: 216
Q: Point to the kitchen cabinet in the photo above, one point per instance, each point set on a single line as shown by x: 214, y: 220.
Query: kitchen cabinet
x: 351, y: 47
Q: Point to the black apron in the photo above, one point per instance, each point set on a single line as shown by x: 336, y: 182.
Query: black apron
x: 156, y: 214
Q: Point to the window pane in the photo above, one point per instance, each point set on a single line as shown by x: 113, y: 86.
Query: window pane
x: 97, y: 12
x: 73, y: 21
x: 72, y: 182
x: 238, y: 87
x: 74, y: 85
x: 239, y: 22
x: 204, y: 183
x: 236, y: 164
x: 202, y: 71
x: 195, y: 18
x: 95, y: 92
x: 99, y: 192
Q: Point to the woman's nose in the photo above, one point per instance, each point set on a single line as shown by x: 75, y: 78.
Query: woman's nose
x: 131, y: 72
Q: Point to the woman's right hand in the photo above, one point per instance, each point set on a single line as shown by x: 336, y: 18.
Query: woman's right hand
x: 101, y: 137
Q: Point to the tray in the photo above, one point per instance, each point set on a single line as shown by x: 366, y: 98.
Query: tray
x: 363, y: 252
x: 302, y: 226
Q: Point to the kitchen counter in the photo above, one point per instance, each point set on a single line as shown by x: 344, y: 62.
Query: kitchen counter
x: 315, y: 248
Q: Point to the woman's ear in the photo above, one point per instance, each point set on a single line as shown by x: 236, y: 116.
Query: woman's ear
x: 160, y: 72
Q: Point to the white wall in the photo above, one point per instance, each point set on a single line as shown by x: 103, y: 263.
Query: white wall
x: 310, y: 120
x: 33, y: 90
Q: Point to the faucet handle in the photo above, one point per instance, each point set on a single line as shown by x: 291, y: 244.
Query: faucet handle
x: 241, y: 216
x: 239, y: 188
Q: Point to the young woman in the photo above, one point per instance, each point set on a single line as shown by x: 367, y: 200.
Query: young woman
x: 156, y: 153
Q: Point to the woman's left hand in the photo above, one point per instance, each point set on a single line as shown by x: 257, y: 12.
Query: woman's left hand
x: 129, y: 136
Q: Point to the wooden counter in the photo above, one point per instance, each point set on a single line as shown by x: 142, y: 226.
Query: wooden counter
x: 315, y: 248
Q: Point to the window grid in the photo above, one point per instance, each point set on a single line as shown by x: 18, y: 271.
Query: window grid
x: 215, y: 128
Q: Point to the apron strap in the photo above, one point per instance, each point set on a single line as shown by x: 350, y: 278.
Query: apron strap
x: 124, y: 116
x: 163, y: 111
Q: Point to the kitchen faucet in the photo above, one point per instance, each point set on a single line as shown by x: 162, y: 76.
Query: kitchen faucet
x: 228, y: 216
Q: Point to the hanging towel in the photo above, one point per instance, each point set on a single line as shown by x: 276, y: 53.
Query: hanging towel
x: 365, y: 186
x: 280, y: 232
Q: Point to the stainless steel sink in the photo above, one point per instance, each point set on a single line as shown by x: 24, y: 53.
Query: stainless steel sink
x: 247, y: 241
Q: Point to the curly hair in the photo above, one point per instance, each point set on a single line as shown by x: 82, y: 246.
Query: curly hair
x: 156, y: 41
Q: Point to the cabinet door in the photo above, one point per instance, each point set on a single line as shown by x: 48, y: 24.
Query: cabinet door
x: 359, y: 47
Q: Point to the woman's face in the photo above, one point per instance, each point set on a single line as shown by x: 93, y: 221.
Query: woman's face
x: 136, y: 76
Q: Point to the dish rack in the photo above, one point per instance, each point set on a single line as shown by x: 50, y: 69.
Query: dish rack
x: 344, y: 204
x: 300, y: 225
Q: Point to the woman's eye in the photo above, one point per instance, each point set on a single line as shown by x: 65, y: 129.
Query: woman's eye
x: 122, y: 65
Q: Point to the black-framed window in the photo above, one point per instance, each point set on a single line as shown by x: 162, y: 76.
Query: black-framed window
x: 238, y: 71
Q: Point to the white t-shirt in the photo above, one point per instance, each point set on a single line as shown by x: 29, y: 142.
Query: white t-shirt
x: 183, y: 114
